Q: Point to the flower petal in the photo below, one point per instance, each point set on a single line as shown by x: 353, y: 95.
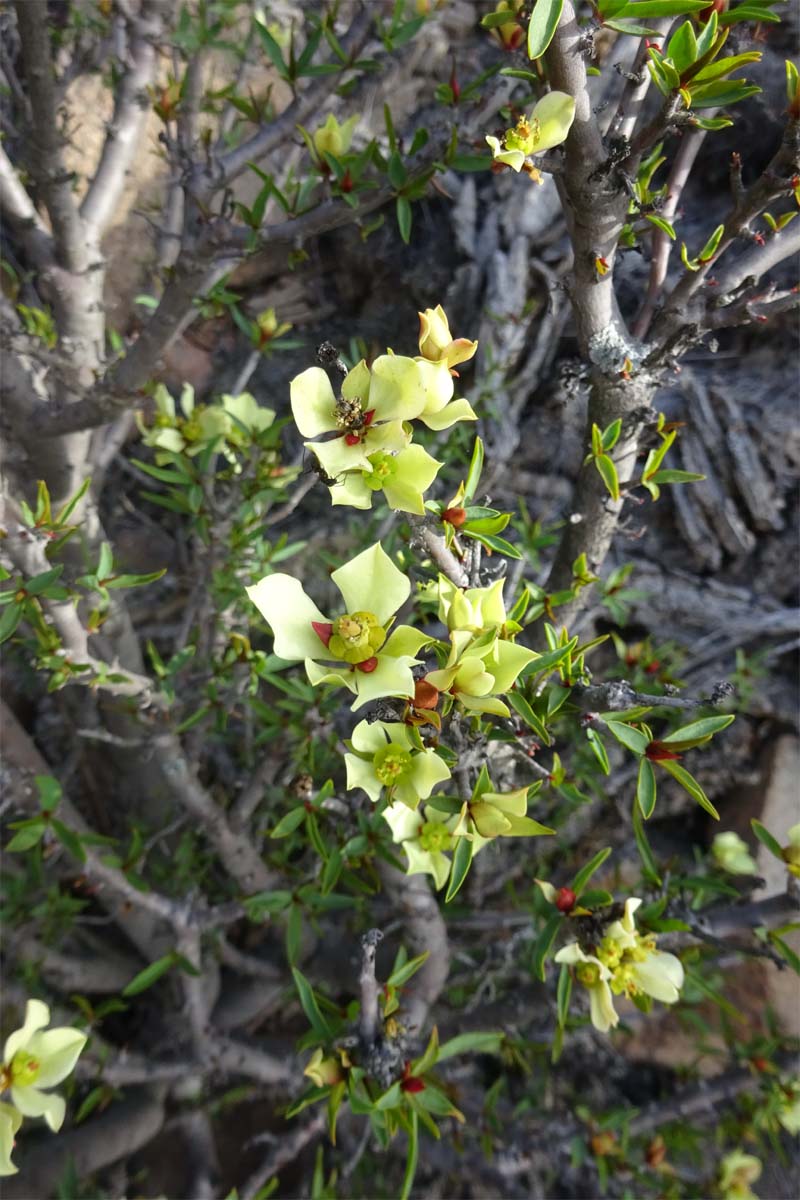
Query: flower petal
x: 405, y: 640
x: 403, y: 821
x: 459, y: 410
x: 396, y: 390
x: 511, y: 158
x: 512, y: 803
x: 369, y: 737
x: 484, y: 704
x: 391, y: 677
x: 424, y: 862
x: 601, y: 1007
x: 357, y: 383
x: 336, y: 457
x: 371, y: 582
x: 555, y: 113
x: 289, y: 611
x: 427, y: 769
x: 10, y: 1121
x: 352, y: 490
x: 37, y: 1016
x: 505, y: 662
x: 660, y: 976
x: 361, y: 774
x: 318, y: 673
x: 313, y: 402
x: 437, y: 383
x: 57, y: 1051
x: 33, y: 1103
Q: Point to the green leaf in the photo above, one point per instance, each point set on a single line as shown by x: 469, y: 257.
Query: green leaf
x: 497, y: 544
x: 786, y: 951
x: 123, y: 581
x: 523, y: 708
x: 690, y: 784
x: 650, y: 9
x: 646, y: 788
x: 608, y: 473
x: 28, y: 834
x: 543, y: 24
x: 672, y: 476
x: 699, y: 731
x: 67, y: 509
x: 632, y: 739
x: 396, y: 171
x: 289, y: 822
x: 146, y: 978
x: 272, y: 49
x: 494, y: 20
x: 722, y: 93
x: 475, y: 469
x: 725, y: 66
x: 611, y: 433
x: 599, y: 750
x: 310, y: 1007
x: 661, y: 224
x: 404, y: 973
x: 40, y: 583
x: 471, y: 162
x: 12, y: 615
x: 631, y: 27
x: 462, y: 858
x: 563, y: 994
x: 68, y: 838
x: 710, y: 248
x: 390, y: 1098
x: 585, y: 874
x: 404, y: 218
x: 766, y: 839
x: 412, y: 1156
x: 682, y: 47
x: 643, y: 846
x: 470, y: 1043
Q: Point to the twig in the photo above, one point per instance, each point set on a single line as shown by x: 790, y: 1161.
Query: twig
x: 368, y: 1016
x: 660, y: 242
x: 444, y: 559
x: 287, y: 1149
x: 426, y: 931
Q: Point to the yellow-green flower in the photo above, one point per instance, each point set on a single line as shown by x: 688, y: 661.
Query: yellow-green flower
x: 334, y: 138
x: 427, y: 837
x: 498, y: 814
x: 324, y: 1072
x: 389, y: 755
x: 356, y: 648
x: 188, y: 433
x: 547, y: 126
x: 10, y: 1121
x: 474, y: 609
x: 731, y: 853
x: 630, y: 964
x: 737, y: 1171
x: 478, y: 670
x: 791, y: 851
x: 403, y: 477
x: 436, y: 343
x: 33, y: 1060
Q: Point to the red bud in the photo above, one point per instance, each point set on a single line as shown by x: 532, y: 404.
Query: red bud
x: 455, y: 516
x: 565, y: 900
x: 425, y: 694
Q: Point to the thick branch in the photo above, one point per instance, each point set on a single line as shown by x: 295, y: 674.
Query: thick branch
x: 45, y: 143
x: 17, y: 207
x: 131, y: 106
x: 426, y: 930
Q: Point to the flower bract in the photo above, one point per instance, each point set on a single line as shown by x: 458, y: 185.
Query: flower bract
x: 354, y: 649
x: 478, y: 670
x: 334, y: 137
x: 33, y: 1061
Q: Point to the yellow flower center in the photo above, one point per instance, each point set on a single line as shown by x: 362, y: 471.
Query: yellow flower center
x: 524, y: 136
x: 391, y: 764
x: 24, y: 1069
x: 355, y: 637
x: 588, y: 974
x: 434, y: 838
x: 384, y: 467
